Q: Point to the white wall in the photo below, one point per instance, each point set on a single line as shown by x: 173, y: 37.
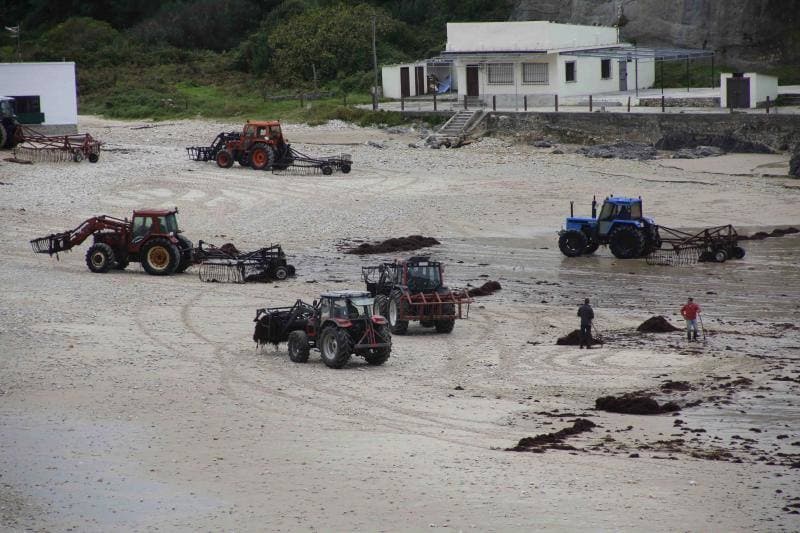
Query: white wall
x: 54, y: 83
x: 390, y: 77
x: 525, y: 35
x: 762, y: 86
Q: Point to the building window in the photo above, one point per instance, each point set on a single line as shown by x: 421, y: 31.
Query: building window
x: 501, y: 73
x: 569, y: 67
x: 605, y: 69
x: 534, y: 73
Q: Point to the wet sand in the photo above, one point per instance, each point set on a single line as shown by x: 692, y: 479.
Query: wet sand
x: 133, y: 402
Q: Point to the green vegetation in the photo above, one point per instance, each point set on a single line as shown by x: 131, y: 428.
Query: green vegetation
x: 232, y: 58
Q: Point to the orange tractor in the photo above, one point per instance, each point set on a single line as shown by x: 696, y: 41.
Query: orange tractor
x: 261, y: 146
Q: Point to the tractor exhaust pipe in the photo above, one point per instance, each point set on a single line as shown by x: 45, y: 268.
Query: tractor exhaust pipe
x: 594, y: 206
x: 571, y: 208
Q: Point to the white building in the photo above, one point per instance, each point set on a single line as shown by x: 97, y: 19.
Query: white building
x: 747, y: 89
x: 42, y: 88
x: 512, y: 60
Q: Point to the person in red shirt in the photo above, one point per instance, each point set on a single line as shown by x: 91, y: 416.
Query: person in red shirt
x: 689, y: 312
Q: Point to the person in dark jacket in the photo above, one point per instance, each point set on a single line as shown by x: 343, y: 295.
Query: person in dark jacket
x: 587, y: 315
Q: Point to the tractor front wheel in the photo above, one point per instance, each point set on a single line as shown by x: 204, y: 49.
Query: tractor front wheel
x: 346, y: 168
x: 626, y: 242
x: 280, y: 273
x: 298, y: 346
x: 572, y: 243
x: 224, y: 159
x: 100, y: 258
x: 396, y: 325
x: 160, y: 257
x: 335, y: 347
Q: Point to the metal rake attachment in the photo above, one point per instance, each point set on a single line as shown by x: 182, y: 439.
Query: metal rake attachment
x: 674, y: 257
x: 222, y: 271
x: 57, y: 148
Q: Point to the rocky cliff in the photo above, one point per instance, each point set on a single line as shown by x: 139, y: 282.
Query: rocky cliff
x: 746, y: 34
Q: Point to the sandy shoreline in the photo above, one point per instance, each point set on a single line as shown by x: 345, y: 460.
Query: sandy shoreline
x: 133, y: 402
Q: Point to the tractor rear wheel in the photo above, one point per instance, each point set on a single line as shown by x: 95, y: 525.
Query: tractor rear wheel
x: 395, y: 307
x: 100, y: 258
x: 335, y: 347
x: 262, y: 157
x: 378, y: 356
x: 572, y: 243
x: 160, y: 257
x: 626, y: 242
x: 298, y: 346
x: 737, y: 252
x: 224, y: 159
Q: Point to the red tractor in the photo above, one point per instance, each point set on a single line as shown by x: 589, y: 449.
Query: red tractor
x: 260, y: 145
x: 340, y: 324
x: 151, y: 238
x: 414, y: 289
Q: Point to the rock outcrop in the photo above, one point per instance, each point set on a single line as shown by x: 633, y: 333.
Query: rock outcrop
x: 747, y: 34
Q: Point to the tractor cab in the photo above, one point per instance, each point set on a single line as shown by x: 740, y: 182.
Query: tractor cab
x: 421, y: 275
x: 620, y: 210
x: 345, y: 305
x: 149, y: 222
x: 264, y: 130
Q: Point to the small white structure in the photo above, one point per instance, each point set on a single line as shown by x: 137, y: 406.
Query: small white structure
x: 748, y: 89
x: 507, y: 61
x: 48, y: 88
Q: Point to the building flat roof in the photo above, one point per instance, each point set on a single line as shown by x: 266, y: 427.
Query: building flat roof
x: 642, y: 53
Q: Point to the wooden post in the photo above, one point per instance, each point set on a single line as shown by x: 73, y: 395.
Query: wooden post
x: 662, y: 103
x: 434, y: 101
x: 767, y: 105
x: 590, y: 103
x: 525, y: 101
x: 556, y: 103
x: 402, y: 104
x: 629, y: 104
x: 465, y: 101
x: 494, y: 102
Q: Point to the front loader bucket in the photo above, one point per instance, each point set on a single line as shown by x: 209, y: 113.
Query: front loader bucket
x: 52, y: 244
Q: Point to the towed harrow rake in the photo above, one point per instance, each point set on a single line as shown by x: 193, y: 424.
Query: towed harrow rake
x: 294, y: 162
x: 231, y: 266
x: 57, y: 148
x: 682, y: 248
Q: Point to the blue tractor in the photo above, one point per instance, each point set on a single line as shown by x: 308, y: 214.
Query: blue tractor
x: 620, y: 225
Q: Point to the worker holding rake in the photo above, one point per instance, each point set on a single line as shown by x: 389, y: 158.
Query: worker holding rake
x: 690, y: 312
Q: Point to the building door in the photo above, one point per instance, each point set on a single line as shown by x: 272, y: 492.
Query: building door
x: 405, y: 87
x: 738, y: 91
x: 472, y: 80
x: 623, y: 75
x: 419, y: 80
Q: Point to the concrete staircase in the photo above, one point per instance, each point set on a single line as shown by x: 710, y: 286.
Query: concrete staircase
x: 455, y: 130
